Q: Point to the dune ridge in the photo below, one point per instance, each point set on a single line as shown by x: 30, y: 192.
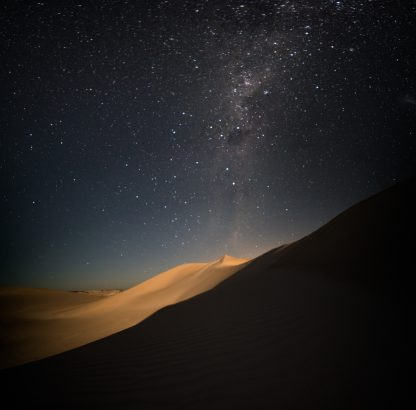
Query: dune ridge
x: 291, y: 330
x: 38, y: 323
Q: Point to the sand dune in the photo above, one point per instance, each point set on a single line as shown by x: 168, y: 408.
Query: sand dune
x: 36, y: 303
x: 323, y: 323
x: 37, y: 323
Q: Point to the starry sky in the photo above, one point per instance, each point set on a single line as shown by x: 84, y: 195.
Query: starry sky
x: 138, y: 135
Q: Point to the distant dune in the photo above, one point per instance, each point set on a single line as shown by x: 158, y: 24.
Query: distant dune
x: 323, y: 323
x: 37, y: 323
x: 99, y: 292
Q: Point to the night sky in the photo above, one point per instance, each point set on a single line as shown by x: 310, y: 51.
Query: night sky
x: 138, y: 135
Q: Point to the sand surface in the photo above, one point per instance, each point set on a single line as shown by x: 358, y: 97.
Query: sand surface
x: 324, y: 323
x: 36, y: 323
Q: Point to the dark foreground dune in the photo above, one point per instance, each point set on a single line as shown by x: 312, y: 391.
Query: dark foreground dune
x: 324, y: 323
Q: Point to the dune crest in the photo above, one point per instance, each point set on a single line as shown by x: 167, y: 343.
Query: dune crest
x: 38, y: 323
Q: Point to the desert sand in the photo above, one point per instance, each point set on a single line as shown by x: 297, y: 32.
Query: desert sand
x: 36, y: 323
x: 323, y: 323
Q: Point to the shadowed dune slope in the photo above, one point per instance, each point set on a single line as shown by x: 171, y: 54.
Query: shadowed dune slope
x: 370, y: 234
x: 297, y: 328
x: 36, y: 323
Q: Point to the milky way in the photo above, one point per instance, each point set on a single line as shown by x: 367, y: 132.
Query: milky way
x: 139, y: 135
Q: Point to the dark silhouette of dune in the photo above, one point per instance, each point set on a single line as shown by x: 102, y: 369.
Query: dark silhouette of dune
x: 324, y: 323
x: 370, y: 234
